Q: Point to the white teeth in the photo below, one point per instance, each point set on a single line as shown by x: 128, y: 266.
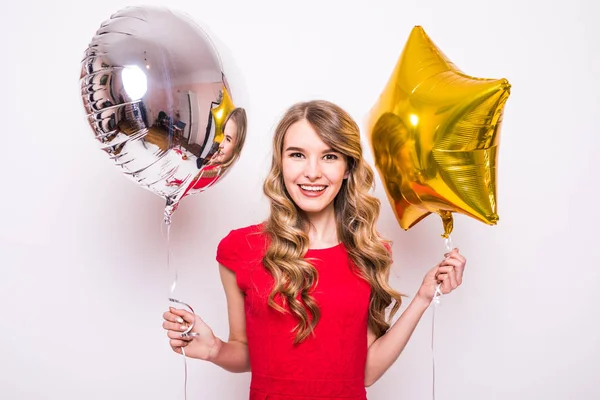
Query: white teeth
x: 313, y: 188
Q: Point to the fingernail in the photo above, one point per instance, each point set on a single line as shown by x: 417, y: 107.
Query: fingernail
x: 183, y: 327
x: 171, y: 309
x: 180, y: 320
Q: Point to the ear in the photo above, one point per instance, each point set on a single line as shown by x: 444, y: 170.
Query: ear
x: 347, y: 174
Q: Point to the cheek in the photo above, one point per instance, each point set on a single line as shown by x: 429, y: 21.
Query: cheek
x: 290, y: 171
x: 289, y: 181
x: 337, y: 174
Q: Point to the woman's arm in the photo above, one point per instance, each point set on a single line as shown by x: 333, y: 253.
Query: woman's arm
x: 233, y: 354
x: 384, y: 351
x: 202, y: 343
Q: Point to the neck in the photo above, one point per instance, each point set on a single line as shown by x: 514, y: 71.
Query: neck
x: 323, y: 230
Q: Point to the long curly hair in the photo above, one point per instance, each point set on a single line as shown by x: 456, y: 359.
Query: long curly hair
x: 237, y: 115
x: 356, y: 213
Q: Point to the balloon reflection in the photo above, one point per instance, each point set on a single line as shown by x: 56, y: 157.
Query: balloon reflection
x: 158, y: 102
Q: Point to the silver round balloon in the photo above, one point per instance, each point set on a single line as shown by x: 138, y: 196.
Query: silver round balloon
x: 158, y: 101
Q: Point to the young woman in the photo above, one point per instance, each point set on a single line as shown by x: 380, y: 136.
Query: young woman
x: 229, y: 150
x: 307, y: 290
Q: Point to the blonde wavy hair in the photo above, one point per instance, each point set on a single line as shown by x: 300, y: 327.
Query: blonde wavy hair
x: 237, y: 115
x: 356, y: 213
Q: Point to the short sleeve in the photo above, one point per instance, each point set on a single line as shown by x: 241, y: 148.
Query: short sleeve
x: 228, y: 252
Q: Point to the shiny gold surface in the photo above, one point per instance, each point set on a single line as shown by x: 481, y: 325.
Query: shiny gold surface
x: 435, y: 133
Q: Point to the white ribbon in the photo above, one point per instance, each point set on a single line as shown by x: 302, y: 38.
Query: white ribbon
x: 172, y: 299
x: 436, y: 302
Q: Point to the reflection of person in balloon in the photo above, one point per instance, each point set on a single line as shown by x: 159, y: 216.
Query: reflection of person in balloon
x: 308, y: 290
x: 396, y: 159
x: 234, y: 132
x: 390, y: 137
x: 229, y: 150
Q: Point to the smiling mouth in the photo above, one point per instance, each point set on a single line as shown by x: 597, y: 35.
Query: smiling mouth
x: 313, y: 188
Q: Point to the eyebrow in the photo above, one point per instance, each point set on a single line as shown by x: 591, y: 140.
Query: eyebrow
x: 292, y: 148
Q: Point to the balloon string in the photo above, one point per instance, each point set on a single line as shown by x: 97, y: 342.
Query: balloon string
x: 448, y: 243
x: 436, y: 302
x: 167, y: 223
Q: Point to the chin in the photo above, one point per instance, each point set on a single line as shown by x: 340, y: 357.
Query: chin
x: 311, y: 210
x: 312, y: 207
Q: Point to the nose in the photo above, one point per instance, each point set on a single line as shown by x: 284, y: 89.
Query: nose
x: 312, y: 170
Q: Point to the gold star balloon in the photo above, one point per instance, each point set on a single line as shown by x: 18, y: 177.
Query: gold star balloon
x: 435, y: 133
x: 220, y: 114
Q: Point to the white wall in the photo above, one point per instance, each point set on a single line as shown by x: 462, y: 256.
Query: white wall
x: 84, y: 282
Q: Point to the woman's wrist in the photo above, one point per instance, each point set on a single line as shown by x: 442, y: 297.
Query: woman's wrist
x: 422, y: 300
x: 215, y: 349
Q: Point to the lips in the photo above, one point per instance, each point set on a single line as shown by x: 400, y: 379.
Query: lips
x: 312, y: 190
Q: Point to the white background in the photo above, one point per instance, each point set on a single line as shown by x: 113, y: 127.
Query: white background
x: 83, y: 268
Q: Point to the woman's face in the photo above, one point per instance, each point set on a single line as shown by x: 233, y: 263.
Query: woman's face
x: 313, y: 173
x: 228, y: 144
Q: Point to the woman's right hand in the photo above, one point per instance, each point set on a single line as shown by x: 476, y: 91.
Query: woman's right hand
x: 203, y: 344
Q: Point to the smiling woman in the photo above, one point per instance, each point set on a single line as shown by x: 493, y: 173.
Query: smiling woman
x: 313, y: 172
x: 307, y: 290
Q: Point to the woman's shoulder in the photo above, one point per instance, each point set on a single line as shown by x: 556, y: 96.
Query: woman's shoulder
x: 242, y: 245
x: 248, y: 234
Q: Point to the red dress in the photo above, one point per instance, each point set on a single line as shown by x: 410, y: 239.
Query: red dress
x: 329, y: 364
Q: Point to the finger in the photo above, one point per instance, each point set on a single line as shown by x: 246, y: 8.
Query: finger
x: 460, y: 257
x: 186, y: 315
x: 440, y: 277
x: 459, y: 273
x: 444, y: 269
x: 452, y: 279
x: 445, y: 283
x: 453, y: 262
x: 174, y: 326
x: 451, y: 276
x: 456, y: 254
x: 177, y: 344
x: 451, y: 253
x: 175, y: 335
x: 169, y: 316
x: 458, y: 266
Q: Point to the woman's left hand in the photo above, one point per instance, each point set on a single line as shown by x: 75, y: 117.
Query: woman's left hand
x: 448, y: 273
